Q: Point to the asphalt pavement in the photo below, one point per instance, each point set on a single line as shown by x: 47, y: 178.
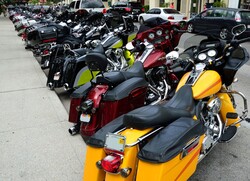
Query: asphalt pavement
x: 35, y: 144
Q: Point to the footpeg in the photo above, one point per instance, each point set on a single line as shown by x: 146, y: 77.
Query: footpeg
x: 229, y: 134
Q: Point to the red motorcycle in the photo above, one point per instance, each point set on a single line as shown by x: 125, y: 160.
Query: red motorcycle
x: 149, y: 81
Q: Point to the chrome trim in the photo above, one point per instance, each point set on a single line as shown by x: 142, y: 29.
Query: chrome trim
x: 144, y: 136
x: 245, y: 111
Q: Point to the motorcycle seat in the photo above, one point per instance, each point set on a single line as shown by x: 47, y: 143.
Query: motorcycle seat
x: 84, y: 51
x: 81, y: 51
x: 181, y: 105
x: 116, y: 77
x: 171, y: 140
x: 183, y: 99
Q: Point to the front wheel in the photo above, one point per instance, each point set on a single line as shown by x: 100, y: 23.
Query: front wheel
x: 224, y: 34
x: 190, y: 28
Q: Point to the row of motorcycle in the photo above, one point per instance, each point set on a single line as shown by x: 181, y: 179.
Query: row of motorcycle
x: 145, y: 111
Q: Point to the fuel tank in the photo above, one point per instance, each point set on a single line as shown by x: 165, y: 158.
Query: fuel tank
x: 207, y: 84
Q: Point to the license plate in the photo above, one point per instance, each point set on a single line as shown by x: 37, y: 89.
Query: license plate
x: 56, y: 77
x: 115, y: 142
x: 85, y: 118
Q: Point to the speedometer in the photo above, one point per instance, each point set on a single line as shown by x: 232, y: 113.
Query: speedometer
x: 151, y: 35
x: 211, y: 53
x: 159, y: 32
x: 202, y: 56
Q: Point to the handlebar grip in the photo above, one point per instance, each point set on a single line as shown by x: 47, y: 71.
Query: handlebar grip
x: 175, y: 65
x: 138, y: 48
x: 188, y: 65
x: 243, y: 40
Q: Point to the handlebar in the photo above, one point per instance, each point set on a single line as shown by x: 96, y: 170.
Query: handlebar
x: 235, y: 43
x: 175, y: 65
x: 138, y: 48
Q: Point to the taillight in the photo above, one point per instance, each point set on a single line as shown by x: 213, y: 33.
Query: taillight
x: 143, y: 9
x: 73, y: 113
x: 237, y: 17
x: 49, y: 40
x: 104, y: 11
x: 184, y: 18
x: 171, y: 17
x: 46, y: 52
x: 111, y: 163
x: 127, y: 9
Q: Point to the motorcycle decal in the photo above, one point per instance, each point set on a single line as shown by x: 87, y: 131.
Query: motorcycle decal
x: 117, y: 44
x: 131, y: 37
x: 129, y: 57
x: 188, y: 164
x: 84, y: 76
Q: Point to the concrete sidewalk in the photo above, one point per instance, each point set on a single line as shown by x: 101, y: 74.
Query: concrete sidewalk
x: 34, y: 142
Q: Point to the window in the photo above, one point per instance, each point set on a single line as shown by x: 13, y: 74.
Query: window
x: 151, y: 11
x: 208, y: 13
x: 157, y: 11
x: 245, y: 15
x: 219, y: 13
x: 171, y: 11
x: 230, y: 14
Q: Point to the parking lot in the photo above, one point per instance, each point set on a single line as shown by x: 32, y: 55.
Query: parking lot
x: 35, y: 144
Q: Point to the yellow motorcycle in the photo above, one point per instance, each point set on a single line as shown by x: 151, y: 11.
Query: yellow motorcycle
x: 167, y: 141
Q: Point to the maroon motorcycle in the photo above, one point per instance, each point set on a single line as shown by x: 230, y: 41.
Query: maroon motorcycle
x: 149, y: 81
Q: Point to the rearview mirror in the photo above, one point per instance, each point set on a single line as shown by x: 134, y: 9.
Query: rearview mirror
x: 182, y: 24
x: 238, y: 29
x: 171, y: 57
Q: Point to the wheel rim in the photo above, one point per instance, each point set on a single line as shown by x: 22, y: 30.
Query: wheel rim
x: 190, y: 28
x: 223, y: 34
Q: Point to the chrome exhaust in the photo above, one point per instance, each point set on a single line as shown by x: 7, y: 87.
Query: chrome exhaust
x: 74, y: 130
x: 66, y: 86
x: 50, y: 85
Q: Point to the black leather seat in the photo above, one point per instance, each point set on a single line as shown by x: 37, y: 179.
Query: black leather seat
x: 116, y: 77
x: 171, y: 140
x: 81, y: 51
x: 181, y: 105
x: 183, y: 99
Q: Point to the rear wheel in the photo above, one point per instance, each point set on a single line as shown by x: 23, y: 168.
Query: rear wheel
x: 141, y: 20
x: 224, y: 33
x: 190, y: 28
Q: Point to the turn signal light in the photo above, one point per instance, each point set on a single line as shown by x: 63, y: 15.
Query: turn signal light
x: 111, y: 163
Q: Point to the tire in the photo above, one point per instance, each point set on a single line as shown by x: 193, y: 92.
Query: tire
x: 141, y: 20
x: 68, y: 45
x: 224, y: 34
x: 190, y: 28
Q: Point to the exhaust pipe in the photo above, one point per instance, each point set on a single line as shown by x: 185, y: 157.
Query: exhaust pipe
x: 50, y: 85
x: 66, y: 86
x: 74, y: 129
